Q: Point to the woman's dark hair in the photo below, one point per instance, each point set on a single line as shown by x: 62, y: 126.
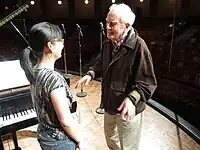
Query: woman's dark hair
x: 40, y: 35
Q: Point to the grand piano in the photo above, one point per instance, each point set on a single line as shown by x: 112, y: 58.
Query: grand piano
x: 16, y: 107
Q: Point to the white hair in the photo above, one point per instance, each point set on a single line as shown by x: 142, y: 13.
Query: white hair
x: 125, y: 12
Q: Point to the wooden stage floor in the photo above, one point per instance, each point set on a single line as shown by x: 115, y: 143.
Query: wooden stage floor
x: 158, y: 133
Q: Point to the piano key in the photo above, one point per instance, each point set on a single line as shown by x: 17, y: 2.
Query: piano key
x: 12, y: 117
x: 24, y: 113
x: 1, y: 121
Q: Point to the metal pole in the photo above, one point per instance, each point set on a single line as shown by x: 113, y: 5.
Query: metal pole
x: 172, y: 41
x: 80, y: 34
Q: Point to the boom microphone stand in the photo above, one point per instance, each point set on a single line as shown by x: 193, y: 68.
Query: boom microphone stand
x: 100, y: 109
x: 65, y: 61
x: 80, y: 34
x: 19, y: 33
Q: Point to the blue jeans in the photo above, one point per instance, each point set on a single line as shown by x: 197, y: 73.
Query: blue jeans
x: 49, y: 143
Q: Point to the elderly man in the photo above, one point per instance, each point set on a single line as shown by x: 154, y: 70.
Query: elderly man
x: 128, y: 79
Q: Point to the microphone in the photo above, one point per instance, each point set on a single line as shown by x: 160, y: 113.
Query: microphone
x: 78, y: 26
x: 101, y: 24
x: 79, y: 29
x: 63, y: 27
x: 102, y: 29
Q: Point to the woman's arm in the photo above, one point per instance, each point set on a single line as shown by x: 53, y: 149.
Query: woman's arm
x: 61, y: 106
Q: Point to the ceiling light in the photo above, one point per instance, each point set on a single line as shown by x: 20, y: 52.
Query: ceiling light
x: 32, y: 2
x: 59, y: 2
x: 86, y: 1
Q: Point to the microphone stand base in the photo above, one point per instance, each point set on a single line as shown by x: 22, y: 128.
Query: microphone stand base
x: 81, y: 94
x: 100, y: 110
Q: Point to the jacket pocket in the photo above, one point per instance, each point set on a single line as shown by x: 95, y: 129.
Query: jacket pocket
x: 118, y: 87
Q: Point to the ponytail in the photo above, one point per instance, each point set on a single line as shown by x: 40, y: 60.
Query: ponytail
x: 27, y: 61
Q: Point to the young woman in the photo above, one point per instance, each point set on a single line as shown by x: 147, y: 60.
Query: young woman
x: 52, y: 98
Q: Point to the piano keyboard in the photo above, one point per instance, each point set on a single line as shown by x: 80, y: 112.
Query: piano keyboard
x: 16, y: 107
x: 17, y: 117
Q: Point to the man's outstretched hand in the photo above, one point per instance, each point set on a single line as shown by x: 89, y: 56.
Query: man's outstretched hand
x: 86, y: 79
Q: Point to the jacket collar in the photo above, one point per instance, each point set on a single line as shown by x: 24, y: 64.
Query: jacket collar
x: 128, y: 42
x: 130, y: 39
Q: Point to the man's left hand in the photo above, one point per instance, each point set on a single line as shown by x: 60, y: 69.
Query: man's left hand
x: 127, y: 109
